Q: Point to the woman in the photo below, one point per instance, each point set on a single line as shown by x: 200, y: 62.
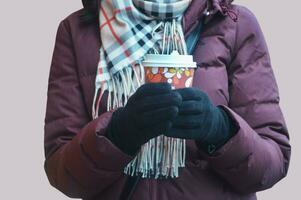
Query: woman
x: 236, y: 137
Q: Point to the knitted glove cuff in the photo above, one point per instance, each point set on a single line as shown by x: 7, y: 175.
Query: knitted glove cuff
x: 226, y: 130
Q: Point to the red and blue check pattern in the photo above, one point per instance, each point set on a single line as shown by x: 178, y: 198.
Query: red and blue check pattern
x: 126, y: 31
x: 126, y: 35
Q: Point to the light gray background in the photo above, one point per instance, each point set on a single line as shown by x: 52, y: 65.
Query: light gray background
x: 27, y: 34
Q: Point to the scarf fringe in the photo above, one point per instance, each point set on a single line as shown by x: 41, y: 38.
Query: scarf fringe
x: 161, y: 157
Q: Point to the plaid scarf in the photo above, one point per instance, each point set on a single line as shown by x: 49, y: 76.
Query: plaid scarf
x: 129, y: 30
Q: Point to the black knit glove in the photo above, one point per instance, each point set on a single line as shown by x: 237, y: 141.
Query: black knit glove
x: 200, y: 120
x: 148, y: 113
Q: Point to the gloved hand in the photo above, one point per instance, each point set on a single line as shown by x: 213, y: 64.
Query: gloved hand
x: 148, y: 113
x: 200, y: 120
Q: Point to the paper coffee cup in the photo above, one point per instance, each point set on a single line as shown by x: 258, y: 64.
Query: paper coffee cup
x: 178, y: 70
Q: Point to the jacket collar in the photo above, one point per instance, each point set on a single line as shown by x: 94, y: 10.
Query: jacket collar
x: 200, y: 9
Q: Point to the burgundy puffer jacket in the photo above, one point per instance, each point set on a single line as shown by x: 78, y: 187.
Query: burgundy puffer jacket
x: 234, y: 69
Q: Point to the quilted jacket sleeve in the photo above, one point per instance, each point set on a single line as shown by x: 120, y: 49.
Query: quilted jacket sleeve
x: 258, y: 156
x: 80, y: 161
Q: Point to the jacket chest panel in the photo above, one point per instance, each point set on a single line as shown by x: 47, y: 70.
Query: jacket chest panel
x: 211, y: 76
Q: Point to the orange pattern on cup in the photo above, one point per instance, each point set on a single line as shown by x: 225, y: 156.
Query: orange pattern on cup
x: 177, y: 77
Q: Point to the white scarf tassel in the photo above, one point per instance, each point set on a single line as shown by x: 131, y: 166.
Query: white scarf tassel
x: 161, y: 156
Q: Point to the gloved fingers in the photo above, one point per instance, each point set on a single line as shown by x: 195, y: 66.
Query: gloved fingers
x: 183, y: 133
x: 158, y: 101
x: 191, y: 94
x: 187, y: 121
x: 152, y: 118
x: 190, y: 107
x: 150, y: 89
x: 159, y: 129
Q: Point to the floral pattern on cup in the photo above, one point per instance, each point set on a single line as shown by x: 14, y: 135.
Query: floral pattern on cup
x: 177, y: 77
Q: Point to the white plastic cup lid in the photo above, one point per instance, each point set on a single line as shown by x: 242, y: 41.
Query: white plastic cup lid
x: 173, y: 60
